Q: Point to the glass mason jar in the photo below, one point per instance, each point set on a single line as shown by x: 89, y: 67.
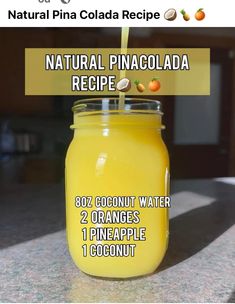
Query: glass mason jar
x: 116, y: 160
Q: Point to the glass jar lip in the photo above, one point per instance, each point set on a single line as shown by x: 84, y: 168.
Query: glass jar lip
x: 111, y: 105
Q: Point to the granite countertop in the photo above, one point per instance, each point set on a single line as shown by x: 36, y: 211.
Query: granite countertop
x: 35, y: 265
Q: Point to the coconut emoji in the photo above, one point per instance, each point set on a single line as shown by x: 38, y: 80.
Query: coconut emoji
x: 123, y: 85
x: 170, y: 14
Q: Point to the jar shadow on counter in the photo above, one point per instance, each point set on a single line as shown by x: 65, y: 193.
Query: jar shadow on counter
x: 192, y: 231
x: 232, y: 298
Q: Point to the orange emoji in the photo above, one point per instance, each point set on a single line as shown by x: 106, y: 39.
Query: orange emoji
x: 154, y: 85
x: 200, y: 15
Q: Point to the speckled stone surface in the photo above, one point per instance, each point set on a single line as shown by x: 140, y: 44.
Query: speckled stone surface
x: 199, y: 265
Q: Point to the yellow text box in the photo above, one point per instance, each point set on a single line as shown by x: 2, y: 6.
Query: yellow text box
x: 192, y: 81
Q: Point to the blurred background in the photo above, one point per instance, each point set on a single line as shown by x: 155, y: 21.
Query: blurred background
x: 34, y: 131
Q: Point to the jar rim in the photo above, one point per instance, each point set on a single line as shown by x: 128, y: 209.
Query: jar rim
x: 111, y: 104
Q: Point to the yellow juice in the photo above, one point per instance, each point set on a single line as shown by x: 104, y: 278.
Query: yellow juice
x: 117, y: 153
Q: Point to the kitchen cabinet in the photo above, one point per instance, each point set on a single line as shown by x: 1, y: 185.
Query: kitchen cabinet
x: 13, y: 43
